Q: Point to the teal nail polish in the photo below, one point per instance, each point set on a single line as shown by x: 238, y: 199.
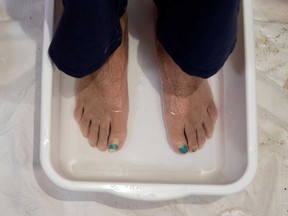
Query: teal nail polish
x: 113, y: 147
x: 183, y: 149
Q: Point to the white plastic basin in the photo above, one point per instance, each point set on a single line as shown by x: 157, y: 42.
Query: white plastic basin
x: 146, y: 168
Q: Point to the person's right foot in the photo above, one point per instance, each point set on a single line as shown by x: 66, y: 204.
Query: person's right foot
x: 102, y: 100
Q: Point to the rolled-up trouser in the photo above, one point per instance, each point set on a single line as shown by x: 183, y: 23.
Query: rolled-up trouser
x: 199, y: 35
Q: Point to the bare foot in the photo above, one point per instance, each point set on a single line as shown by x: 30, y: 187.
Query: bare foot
x: 189, y: 110
x: 102, y: 100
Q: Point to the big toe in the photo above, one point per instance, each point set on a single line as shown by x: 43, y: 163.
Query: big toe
x: 177, y: 139
x: 117, y: 135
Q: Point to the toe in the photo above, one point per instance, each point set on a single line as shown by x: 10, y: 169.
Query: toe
x: 190, y: 133
x: 201, y: 138
x: 93, y: 134
x: 85, y: 126
x: 103, y: 136
x: 212, y: 112
x: 208, y: 128
x: 178, y: 140
x: 78, y: 113
x: 117, y: 135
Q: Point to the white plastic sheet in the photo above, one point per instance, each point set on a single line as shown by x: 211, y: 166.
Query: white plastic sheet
x: 25, y: 190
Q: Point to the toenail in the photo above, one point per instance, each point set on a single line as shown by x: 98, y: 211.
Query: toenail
x: 113, y: 148
x: 183, y: 149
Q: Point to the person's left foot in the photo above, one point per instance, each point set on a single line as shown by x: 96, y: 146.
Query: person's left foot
x: 189, y: 110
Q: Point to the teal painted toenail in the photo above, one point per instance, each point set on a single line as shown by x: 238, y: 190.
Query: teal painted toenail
x: 183, y: 149
x: 113, y: 147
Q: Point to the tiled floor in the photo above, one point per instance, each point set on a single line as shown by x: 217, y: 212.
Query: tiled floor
x: 20, y: 174
x: 271, y: 40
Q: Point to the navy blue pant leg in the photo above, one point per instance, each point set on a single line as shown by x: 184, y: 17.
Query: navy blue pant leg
x: 88, y: 33
x: 199, y: 35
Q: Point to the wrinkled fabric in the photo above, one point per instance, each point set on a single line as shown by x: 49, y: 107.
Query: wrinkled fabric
x: 198, y: 35
x: 87, y: 35
x: 25, y: 189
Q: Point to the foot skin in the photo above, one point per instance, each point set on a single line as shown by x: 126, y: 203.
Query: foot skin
x: 102, y: 100
x: 189, y: 110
